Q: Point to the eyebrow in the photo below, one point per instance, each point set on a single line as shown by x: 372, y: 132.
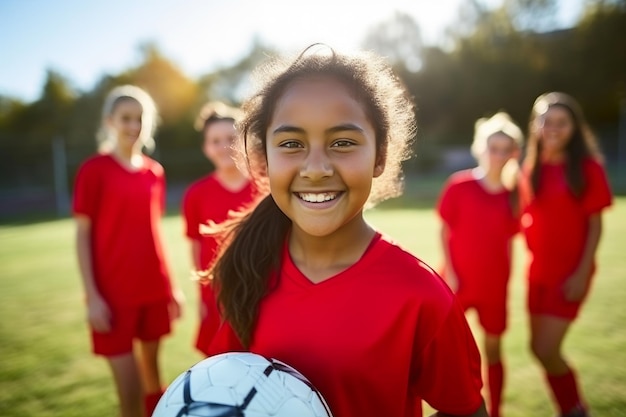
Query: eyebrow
x: 339, y: 128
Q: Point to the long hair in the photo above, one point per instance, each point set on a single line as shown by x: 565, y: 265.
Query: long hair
x: 251, y: 249
x: 582, y: 144
x: 149, y: 117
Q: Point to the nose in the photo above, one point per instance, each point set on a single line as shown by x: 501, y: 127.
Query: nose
x: 317, y: 165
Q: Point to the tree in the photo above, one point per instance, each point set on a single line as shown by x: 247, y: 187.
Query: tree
x: 400, y: 40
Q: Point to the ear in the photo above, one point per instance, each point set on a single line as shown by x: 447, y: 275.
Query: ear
x: 379, y: 166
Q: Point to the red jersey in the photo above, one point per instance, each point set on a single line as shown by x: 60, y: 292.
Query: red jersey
x: 481, y: 225
x: 207, y: 199
x: 375, y: 339
x: 125, y: 208
x: 555, y: 222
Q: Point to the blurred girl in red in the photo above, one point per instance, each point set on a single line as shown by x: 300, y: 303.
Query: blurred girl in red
x: 479, y: 216
x: 119, y: 198
x: 210, y: 199
x: 564, y: 190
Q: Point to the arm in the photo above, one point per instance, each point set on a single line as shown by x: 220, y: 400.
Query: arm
x: 195, y: 254
x: 450, y: 275
x: 576, y: 285
x: 481, y: 412
x: 98, y: 313
x: 177, y: 302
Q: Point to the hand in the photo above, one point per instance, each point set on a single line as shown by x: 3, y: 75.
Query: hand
x: 575, y: 287
x: 177, y: 303
x: 98, y: 314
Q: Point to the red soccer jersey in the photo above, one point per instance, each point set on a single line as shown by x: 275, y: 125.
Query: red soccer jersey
x: 207, y: 199
x: 375, y: 339
x: 125, y: 209
x: 555, y: 222
x: 481, y: 225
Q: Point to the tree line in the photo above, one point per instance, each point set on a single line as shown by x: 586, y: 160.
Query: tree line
x: 493, y: 59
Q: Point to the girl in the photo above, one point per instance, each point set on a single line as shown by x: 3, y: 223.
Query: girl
x: 564, y: 189
x: 477, y: 211
x: 210, y: 199
x: 305, y: 279
x: 119, y: 198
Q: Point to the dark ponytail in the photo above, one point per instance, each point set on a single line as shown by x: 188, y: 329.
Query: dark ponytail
x: 243, y: 270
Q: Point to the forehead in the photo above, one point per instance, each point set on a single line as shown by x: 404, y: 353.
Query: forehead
x: 127, y: 105
x: 556, y: 111
x: 224, y: 125
x: 317, y: 97
x: 500, y: 139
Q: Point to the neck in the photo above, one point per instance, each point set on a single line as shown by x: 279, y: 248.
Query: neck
x: 491, y: 179
x: 552, y: 157
x: 232, y: 179
x: 320, y: 258
x: 129, y: 157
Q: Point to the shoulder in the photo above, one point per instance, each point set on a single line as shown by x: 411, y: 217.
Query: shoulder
x: 408, y: 273
x: 200, y: 185
x: 154, y: 166
x: 95, y: 163
x: 97, y: 160
x: 593, y: 164
x: 460, y: 179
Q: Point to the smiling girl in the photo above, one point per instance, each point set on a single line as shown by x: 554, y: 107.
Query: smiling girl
x: 306, y: 280
x: 564, y: 190
x: 119, y: 198
x: 479, y: 219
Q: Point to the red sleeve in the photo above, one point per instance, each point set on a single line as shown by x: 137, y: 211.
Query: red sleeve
x: 450, y: 375
x: 190, y: 206
x: 86, y: 190
x: 162, y: 192
x: 446, y: 205
x: 597, y: 194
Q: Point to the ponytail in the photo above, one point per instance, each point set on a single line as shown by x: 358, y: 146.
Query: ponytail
x: 250, y: 253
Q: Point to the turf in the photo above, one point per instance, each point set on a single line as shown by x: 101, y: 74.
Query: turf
x: 46, y: 368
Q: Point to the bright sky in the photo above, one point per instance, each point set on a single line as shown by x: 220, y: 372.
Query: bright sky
x: 84, y: 40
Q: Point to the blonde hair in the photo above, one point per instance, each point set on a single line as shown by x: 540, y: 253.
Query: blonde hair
x: 486, y: 127
x: 149, y: 118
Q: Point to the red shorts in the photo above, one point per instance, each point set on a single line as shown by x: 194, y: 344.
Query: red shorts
x: 147, y: 322
x: 492, y: 310
x: 550, y: 300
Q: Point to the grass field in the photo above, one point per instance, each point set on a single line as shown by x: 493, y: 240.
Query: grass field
x: 46, y: 368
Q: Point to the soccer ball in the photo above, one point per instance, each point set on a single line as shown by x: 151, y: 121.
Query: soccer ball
x: 241, y: 384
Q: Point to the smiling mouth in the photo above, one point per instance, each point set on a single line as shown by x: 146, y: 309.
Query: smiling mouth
x: 317, y: 197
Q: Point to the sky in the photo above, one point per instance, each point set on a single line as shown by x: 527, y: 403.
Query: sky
x: 85, y: 40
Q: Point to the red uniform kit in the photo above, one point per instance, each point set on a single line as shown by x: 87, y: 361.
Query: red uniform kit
x: 481, y: 225
x: 555, y: 224
x: 375, y: 339
x: 207, y: 199
x: 125, y: 208
x: 127, y: 259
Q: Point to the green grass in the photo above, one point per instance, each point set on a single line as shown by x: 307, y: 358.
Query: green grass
x: 46, y: 368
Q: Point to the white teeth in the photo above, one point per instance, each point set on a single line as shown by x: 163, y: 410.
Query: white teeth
x: 317, y: 198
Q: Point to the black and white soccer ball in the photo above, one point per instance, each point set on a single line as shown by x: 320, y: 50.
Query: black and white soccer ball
x: 241, y: 384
